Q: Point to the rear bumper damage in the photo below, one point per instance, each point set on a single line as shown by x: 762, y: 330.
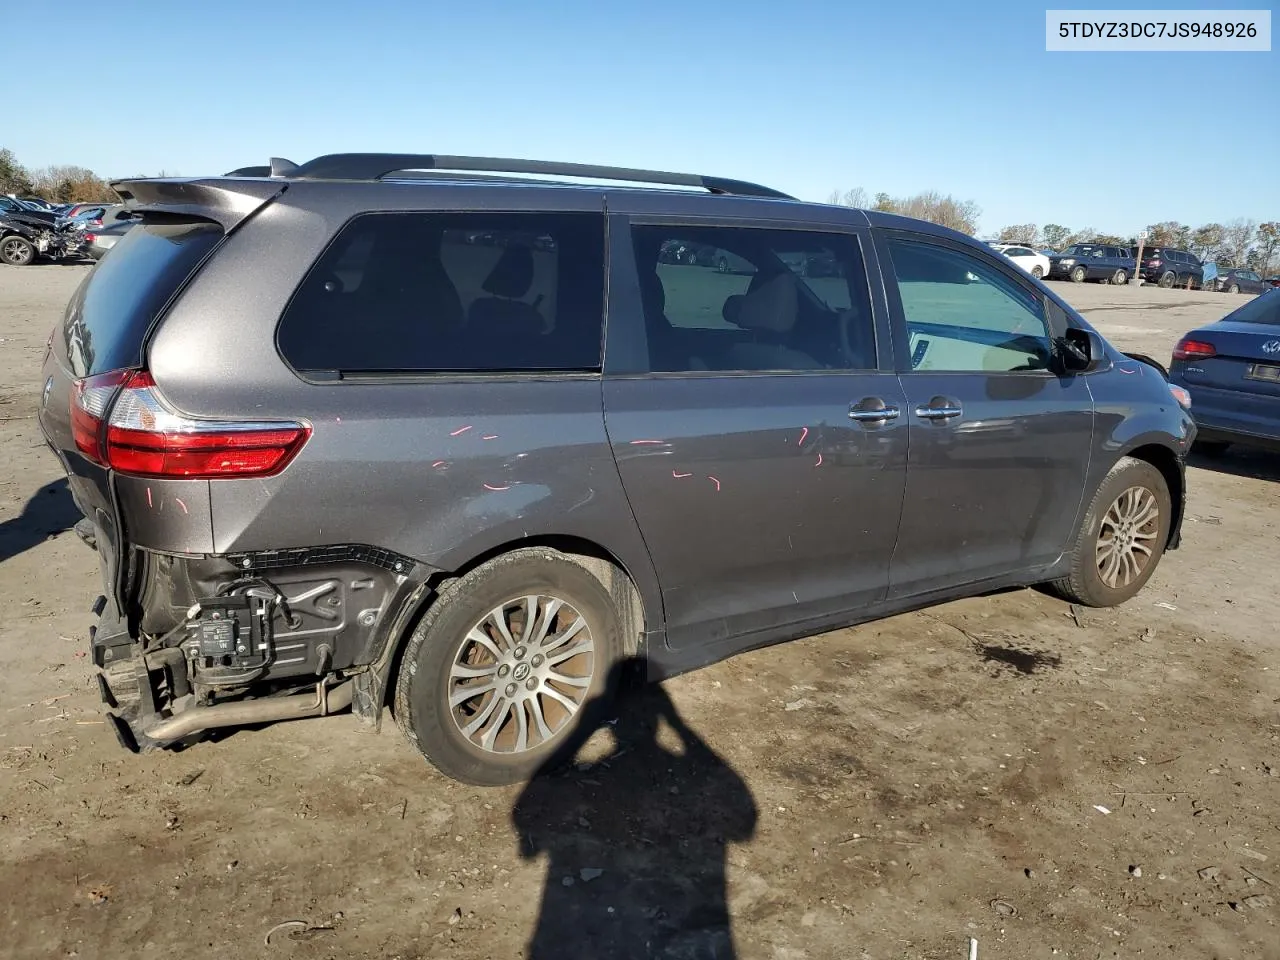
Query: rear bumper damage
x: 239, y: 640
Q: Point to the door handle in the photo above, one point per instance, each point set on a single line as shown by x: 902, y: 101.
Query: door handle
x: 940, y: 408
x: 873, y: 410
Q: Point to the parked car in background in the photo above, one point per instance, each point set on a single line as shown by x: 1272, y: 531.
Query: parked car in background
x: 1170, y: 267
x: 1093, y: 261
x: 90, y: 218
x: 27, y: 234
x: 102, y: 239
x: 77, y: 208
x: 1036, y: 264
x: 561, y: 510
x: 1274, y: 281
x: 1231, y: 368
x: 1239, y: 280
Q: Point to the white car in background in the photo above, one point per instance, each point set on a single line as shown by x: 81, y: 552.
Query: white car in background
x: 1032, y: 261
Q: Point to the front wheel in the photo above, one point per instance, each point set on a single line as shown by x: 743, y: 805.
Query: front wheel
x: 1120, y: 278
x: 496, y: 676
x: 1234, y: 288
x: 1079, y: 275
x: 17, y: 251
x: 1038, y: 272
x: 1121, y: 538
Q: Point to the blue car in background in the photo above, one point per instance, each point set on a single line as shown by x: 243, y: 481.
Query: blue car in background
x: 1231, y: 368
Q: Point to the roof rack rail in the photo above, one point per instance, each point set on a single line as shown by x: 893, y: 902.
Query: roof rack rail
x: 376, y: 166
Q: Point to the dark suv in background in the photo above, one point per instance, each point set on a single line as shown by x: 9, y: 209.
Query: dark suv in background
x: 1092, y: 261
x: 333, y: 450
x: 1171, y: 267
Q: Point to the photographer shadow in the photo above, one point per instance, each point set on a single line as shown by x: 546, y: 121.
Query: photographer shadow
x: 636, y: 841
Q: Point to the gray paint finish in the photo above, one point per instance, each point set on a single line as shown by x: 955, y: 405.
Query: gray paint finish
x: 746, y: 508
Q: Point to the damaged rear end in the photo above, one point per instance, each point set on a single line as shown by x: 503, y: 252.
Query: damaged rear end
x: 188, y: 639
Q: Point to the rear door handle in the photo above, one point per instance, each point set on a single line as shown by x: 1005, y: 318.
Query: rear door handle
x: 940, y: 408
x: 873, y: 410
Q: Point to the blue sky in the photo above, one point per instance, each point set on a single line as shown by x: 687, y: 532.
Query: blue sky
x: 806, y: 96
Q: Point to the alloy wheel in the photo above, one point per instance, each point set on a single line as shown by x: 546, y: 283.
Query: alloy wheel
x: 521, y: 674
x: 1126, y: 537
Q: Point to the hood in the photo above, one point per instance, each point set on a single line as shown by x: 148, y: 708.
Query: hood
x: 32, y: 218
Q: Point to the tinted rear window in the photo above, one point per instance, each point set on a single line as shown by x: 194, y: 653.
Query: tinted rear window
x: 108, y: 317
x: 440, y: 292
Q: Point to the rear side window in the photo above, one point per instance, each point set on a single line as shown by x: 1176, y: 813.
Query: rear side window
x: 751, y: 300
x: 452, y: 292
x: 108, y: 317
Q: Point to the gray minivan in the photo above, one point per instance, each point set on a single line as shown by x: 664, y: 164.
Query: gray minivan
x: 402, y: 431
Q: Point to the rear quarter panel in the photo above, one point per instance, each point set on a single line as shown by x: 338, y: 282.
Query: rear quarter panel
x: 440, y: 469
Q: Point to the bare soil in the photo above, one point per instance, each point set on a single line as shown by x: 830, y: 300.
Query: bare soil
x: 1048, y: 782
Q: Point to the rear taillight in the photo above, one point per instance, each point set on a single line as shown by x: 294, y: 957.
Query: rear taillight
x: 89, y: 401
x: 1188, y: 349
x: 142, y: 436
x: 90, y: 237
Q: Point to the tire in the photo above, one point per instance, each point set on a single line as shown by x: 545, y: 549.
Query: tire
x: 16, y: 251
x: 1234, y: 288
x: 1167, y: 280
x: 442, y: 643
x: 1210, y: 448
x: 1085, y: 584
x: 1038, y: 272
x: 1079, y: 274
x: 1120, y: 278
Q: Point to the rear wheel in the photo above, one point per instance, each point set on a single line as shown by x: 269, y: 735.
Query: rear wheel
x: 1079, y: 275
x: 17, y: 251
x: 1168, y: 279
x: 1037, y: 271
x: 497, y: 674
x: 1120, y: 278
x: 1121, y: 537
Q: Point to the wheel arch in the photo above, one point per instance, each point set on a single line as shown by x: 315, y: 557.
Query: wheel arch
x: 1168, y: 463
x: 375, y: 687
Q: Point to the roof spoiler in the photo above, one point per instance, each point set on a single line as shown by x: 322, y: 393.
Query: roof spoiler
x: 223, y: 201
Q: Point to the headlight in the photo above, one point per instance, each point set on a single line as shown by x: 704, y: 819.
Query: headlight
x: 1181, y: 395
x: 1066, y: 263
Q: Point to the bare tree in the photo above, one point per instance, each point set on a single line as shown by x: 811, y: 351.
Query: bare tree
x: 1024, y: 233
x: 1237, y: 238
x: 1268, y: 243
x: 857, y: 197
x: 1087, y: 235
x: 1169, y: 233
x: 70, y: 184
x: 1206, y: 241
x: 1055, y: 235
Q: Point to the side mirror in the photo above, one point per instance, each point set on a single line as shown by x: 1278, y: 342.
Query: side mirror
x: 1081, y: 351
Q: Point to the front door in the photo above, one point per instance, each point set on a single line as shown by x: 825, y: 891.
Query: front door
x: 1000, y: 441
x: 761, y: 442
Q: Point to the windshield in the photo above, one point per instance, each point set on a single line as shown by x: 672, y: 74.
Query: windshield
x: 1084, y: 249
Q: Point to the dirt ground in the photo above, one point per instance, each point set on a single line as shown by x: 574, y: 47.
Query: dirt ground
x: 1050, y: 785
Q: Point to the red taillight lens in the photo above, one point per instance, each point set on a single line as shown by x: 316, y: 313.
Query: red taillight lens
x: 89, y: 401
x: 90, y: 237
x: 144, y: 437
x: 1193, y: 350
